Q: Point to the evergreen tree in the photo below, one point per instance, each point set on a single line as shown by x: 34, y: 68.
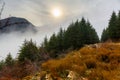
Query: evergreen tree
x: 105, y: 35
x: 2, y: 64
x: 112, y: 26
x: 9, y: 60
x: 45, y: 43
x: 77, y: 35
x: 80, y: 33
x: 70, y: 36
x: 84, y: 31
x: 118, y: 27
x: 28, y: 51
x: 73, y: 36
x: 52, y: 45
x: 67, y: 36
x: 113, y: 30
x: 60, y: 40
x: 91, y: 35
x: 94, y: 37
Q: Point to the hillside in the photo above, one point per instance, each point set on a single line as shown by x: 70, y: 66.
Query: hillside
x: 92, y: 62
x: 75, y: 53
x: 16, y: 24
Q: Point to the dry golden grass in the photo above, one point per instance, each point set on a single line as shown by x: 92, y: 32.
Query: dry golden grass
x: 100, y: 63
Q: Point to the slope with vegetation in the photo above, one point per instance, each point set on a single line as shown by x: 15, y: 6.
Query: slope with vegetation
x: 92, y: 62
x: 76, y: 36
x: 112, y: 32
x: 31, y: 56
x: 72, y: 54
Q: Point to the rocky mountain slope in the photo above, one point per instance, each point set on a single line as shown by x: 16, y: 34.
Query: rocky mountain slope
x: 16, y: 24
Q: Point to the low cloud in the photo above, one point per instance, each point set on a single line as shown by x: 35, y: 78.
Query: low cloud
x: 38, y: 12
x: 11, y: 42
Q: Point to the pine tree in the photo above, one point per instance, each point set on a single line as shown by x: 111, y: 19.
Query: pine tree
x: 77, y: 35
x: 84, y: 31
x: 45, y: 43
x: 28, y: 51
x: 2, y: 64
x: 105, y: 35
x: 118, y: 27
x: 112, y: 26
x: 69, y: 37
x: 89, y: 35
x: 80, y: 33
x: 52, y: 45
x: 60, y: 40
x: 9, y: 60
x: 92, y: 36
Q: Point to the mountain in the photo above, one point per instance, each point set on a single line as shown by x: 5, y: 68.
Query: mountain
x: 16, y: 24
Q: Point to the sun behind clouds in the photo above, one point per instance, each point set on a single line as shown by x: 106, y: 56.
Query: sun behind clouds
x: 56, y: 12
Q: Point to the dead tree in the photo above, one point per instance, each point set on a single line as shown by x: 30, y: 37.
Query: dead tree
x: 2, y: 8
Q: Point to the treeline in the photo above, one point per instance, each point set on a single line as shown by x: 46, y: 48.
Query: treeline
x: 75, y: 36
x: 28, y: 62
x: 30, y: 56
x: 112, y: 32
x: 78, y: 34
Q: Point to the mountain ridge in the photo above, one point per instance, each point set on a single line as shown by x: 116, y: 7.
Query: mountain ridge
x: 18, y: 24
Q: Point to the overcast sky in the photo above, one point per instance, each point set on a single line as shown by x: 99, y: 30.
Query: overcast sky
x: 38, y: 12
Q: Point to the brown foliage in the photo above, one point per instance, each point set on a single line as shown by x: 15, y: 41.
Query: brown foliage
x: 99, y: 63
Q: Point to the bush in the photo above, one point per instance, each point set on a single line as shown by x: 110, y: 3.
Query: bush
x: 90, y: 63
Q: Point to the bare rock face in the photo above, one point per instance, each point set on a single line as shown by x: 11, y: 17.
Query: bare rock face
x: 16, y: 24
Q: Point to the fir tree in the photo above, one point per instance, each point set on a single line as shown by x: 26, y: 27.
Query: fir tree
x: 52, y: 45
x: 28, y: 51
x: 60, y: 40
x: 2, y: 64
x: 45, y: 43
x: 9, y: 60
x: 118, y: 27
x: 112, y: 26
x: 105, y: 35
x: 69, y: 37
x: 92, y: 36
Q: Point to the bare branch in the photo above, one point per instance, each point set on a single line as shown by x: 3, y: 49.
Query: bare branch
x: 2, y: 8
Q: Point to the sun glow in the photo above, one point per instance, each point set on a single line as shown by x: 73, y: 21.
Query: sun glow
x: 56, y: 12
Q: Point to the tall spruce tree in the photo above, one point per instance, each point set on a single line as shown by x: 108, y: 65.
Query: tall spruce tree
x: 60, y: 40
x: 70, y: 36
x: 28, y: 51
x: 2, y: 64
x: 92, y: 36
x: 9, y: 60
x: 113, y: 26
x: 52, y: 44
x: 118, y: 27
x: 84, y: 32
x: 80, y: 33
x: 45, y: 43
x: 105, y: 35
x: 113, y: 30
